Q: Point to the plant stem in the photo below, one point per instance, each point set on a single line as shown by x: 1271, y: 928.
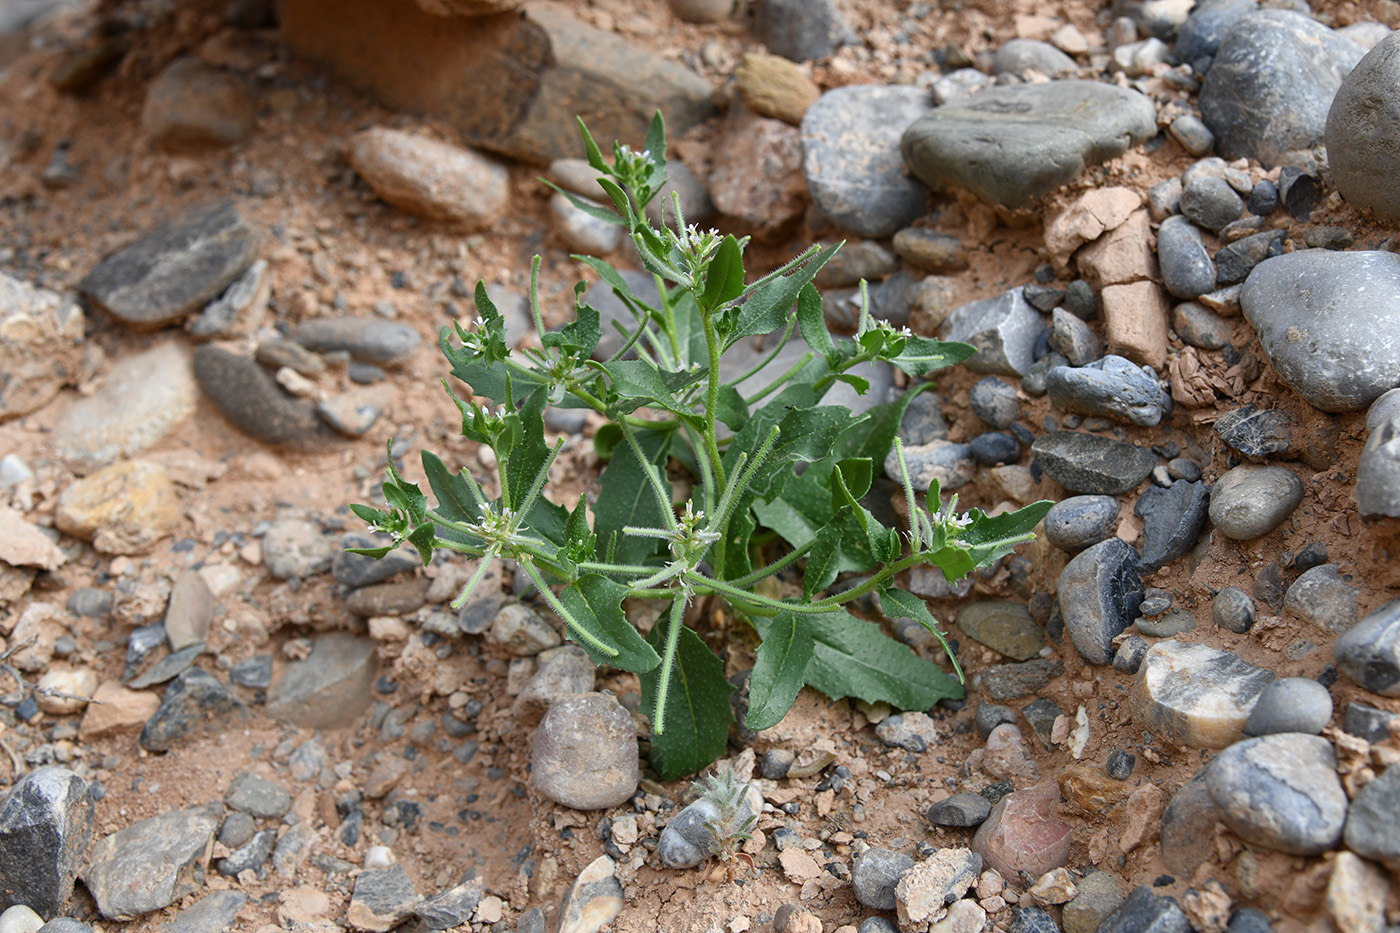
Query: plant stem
x: 712, y: 400
x: 578, y: 631
x: 668, y: 661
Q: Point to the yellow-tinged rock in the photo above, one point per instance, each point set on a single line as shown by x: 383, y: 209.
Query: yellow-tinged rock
x: 122, y: 509
x: 75, y: 687
x: 117, y: 710
x: 774, y: 87
x: 1088, y: 788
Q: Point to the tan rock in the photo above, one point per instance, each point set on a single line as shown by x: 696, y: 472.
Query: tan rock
x: 759, y: 181
x: 430, y: 178
x: 1092, y: 214
x: 798, y: 866
x: 191, y: 105
x: 1135, y: 322
x: 774, y: 87
x: 1356, y: 894
x: 190, y: 610
x: 122, y: 509
x: 1090, y: 789
x: 1143, y: 815
x: 117, y: 710
x: 24, y: 545
x: 77, y: 688
x: 41, y: 624
x: 1195, y: 695
x: 40, y: 333
x: 1123, y: 254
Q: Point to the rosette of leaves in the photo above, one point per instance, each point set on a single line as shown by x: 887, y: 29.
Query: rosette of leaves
x: 779, y: 478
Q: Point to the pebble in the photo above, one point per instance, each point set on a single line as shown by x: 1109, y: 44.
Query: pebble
x: 252, y: 401
x: 357, y: 570
x: 213, y: 913
x: 1378, y: 469
x: 1356, y: 894
x: 1143, y: 910
x: 388, y: 599
x: 580, y: 230
x: 927, y: 887
x: 1374, y: 814
x: 1361, y: 146
x: 1192, y: 134
x: 1021, y: 833
x: 1072, y: 338
x: 951, y: 465
x: 1172, y: 520
x: 1348, y: 305
x: 1236, y: 260
x: 1322, y: 598
x: 913, y: 732
x: 1195, y: 695
x: 1281, y: 792
x: 236, y: 830
x: 995, y: 447
x: 563, y: 671
x: 1271, y: 84
x: 877, y: 924
x: 194, y: 703
x: 191, y: 105
x: 595, y: 899
x: 1187, y: 269
x: 1211, y: 203
x: 585, y: 753
x: 1233, y: 609
x: 239, y: 310
x: 430, y: 178
x: 46, y: 823
x: 990, y: 715
x: 1369, y: 652
x: 368, y: 339
x: 1004, y: 626
x: 759, y: 182
x: 856, y: 261
x: 1011, y: 145
x: 851, y: 161
x: 1004, y: 328
x: 117, y: 711
x: 294, y: 547
x: 995, y: 402
x: 1032, y: 920
x: 959, y: 84
x: 1254, y: 434
x: 1018, y: 56
x: 687, y: 840
x: 1009, y: 681
x: 1119, y: 764
x: 175, y: 269
x: 1200, y: 34
x: 356, y: 410
x: 930, y: 250
x: 963, y: 810
x: 264, y: 799
x: 773, y: 86
x: 151, y: 864
x: 1100, y: 591
x: 1367, y: 722
x: 453, y: 907
x: 521, y: 631
x: 1078, y: 522
x: 1112, y: 387
x: 874, y: 875
x: 78, y: 687
x: 1263, y: 198
x: 1164, y: 199
x: 252, y: 856
x: 1128, y: 657
x: 20, y: 919
x: 1090, y: 463
x: 189, y: 612
x: 1252, y: 500
x: 331, y: 688
x: 1187, y: 831
x: 122, y: 509
x: 144, y: 397
x: 383, y: 898
x: 1291, y: 704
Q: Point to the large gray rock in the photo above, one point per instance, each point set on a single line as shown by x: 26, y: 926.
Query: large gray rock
x: 1281, y: 792
x: 1271, y: 84
x: 151, y: 864
x: 1369, y: 653
x: 331, y: 688
x: 194, y: 703
x: 1329, y: 323
x: 1011, y: 145
x: 250, y: 398
x: 850, y: 157
x: 1253, y: 499
x: 1363, y: 132
x: 1003, y: 329
x: 372, y: 340
x: 1374, y: 814
x: 874, y: 875
x: 176, y: 268
x: 1172, y: 519
x: 1112, y: 387
x: 1201, y: 34
x: 1100, y: 592
x: 45, y: 827
x: 1378, y: 469
x: 585, y: 753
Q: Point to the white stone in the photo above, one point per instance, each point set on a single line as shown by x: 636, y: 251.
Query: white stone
x: 1195, y: 695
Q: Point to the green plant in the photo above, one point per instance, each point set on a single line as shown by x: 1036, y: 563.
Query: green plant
x: 733, y: 822
x: 669, y: 404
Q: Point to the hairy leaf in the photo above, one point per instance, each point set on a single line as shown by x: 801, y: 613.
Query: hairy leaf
x: 596, y: 605
x: 625, y: 497
x: 812, y: 321
x: 697, y: 705
x: 778, y: 670
x: 767, y: 308
x: 725, y: 279
x: 853, y: 658
x: 923, y: 355
x: 640, y: 382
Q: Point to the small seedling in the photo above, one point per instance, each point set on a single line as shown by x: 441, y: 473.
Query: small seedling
x: 732, y: 824
x: 778, y: 479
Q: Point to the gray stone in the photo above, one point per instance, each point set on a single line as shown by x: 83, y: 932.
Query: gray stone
x: 196, y: 702
x: 877, y: 924
x: 875, y: 873
x: 192, y: 105
x: 1011, y: 681
x: 388, y: 599
x: 1271, y: 84
x: 1004, y: 330
x: 1170, y: 623
x: 264, y: 799
x: 521, y: 631
x: 369, y: 339
x: 1378, y: 469
x: 1032, y: 920
x: 1254, y: 434
x: 994, y: 401
x: 1198, y: 326
x: 1201, y: 34
x: 1291, y: 704
x: 213, y: 913
x: 1098, y: 897
x: 1145, y: 912
x: 189, y: 612
x: 1281, y: 792
x: 252, y: 856
x: 169, y: 667
x: 964, y: 810
x: 1187, y: 833
x: 45, y: 826
x: 1195, y: 695
x: 452, y: 907
x: 254, y: 673
x: 1369, y: 652
x: 923, y: 421
x: 1321, y: 597
x: 1078, y: 522
x: 1004, y: 626
x: 1018, y: 56
x: 1233, y: 609
x: 176, y: 268
x: 357, y: 570
x: 855, y: 261
x: 594, y: 900
x: 959, y: 84
x: 930, y: 250
x: 383, y: 898
x: 563, y: 671
x: 1040, y: 716
x: 995, y: 447
x: 250, y: 398
x: 1172, y: 520
x: 1011, y: 145
x: 292, y: 849
x: 913, y: 732
x: 236, y: 830
x: 1234, y: 261
x: 331, y: 688
x: 293, y: 547
x: 1187, y: 269
x: 1252, y: 500
x: 1164, y: 199
x: 1192, y: 133
x: 952, y: 465
x: 850, y: 157
x: 1211, y: 203
x: 151, y: 864
x: 991, y: 715
x: 1074, y: 339
x: 585, y: 753
x: 1363, y: 147
x: 1112, y: 387
x: 356, y: 410
x: 1128, y: 657
x: 239, y: 310
x: 1367, y: 722
x: 1374, y: 814
x: 801, y: 30
x: 1091, y: 463
x: 686, y: 840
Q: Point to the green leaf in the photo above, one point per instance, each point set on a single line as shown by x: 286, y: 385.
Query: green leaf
x: 741, y: 528
x: 852, y: 658
x: 655, y: 143
x: 898, y: 604
x: 422, y: 539
x: 642, y: 382
x: 823, y: 560
x: 368, y: 513
x: 455, y: 499
x: 811, y: 321
x: 619, y: 199
x: 923, y: 355
x: 596, y: 605
x: 375, y: 552
x: 778, y: 670
x: 857, y: 473
x: 767, y: 308
x: 625, y: 497
x: 590, y: 148
x: 859, y: 383
x: 606, y: 440
x: 809, y: 434
x: 493, y: 324
x: 529, y: 452
x: 724, y: 279
x: 731, y: 409
x: 697, y: 705
x: 580, y: 336
x: 1007, y: 525
x: 874, y: 437
x: 591, y: 208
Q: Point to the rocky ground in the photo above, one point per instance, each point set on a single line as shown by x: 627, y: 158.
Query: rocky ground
x: 229, y: 243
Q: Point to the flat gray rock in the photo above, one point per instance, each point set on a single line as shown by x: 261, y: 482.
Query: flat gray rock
x: 875, y: 873
x: 1271, y: 84
x: 45, y: 826
x: 195, y: 702
x: 1281, y: 792
x: 1370, y: 830
x: 258, y: 796
x: 1172, y: 520
x: 175, y: 269
x: 151, y: 864
x: 1252, y: 500
x: 250, y: 398
x: 1100, y: 592
x: 213, y: 913
x: 1004, y: 330
x: 1369, y: 653
x: 1291, y: 704
x: 331, y: 688
x: 1091, y: 463
x: 383, y: 898
x: 850, y: 157
x: 1329, y: 323
x: 801, y: 30
x: 368, y: 339
x: 1011, y: 145
x: 1363, y: 143
x: 1112, y: 387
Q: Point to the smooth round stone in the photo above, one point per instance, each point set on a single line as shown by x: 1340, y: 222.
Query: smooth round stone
x: 1329, y: 323
x: 585, y: 753
x: 995, y: 447
x: 1252, y: 500
x: 995, y: 402
x: 1018, y: 56
x: 930, y: 250
x: 1369, y: 653
x: 923, y: 421
x: 1193, y: 135
x: 1074, y: 338
x: 1198, y: 326
x: 1187, y: 269
x: 367, y: 339
x: 962, y: 810
x: 1211, y: 203
x: 1078, y: 522
x: 1281, y: 792
x: 1293, y: 704
x: 1374, y: 816
x: 1363, y: 132
x: 1271, y: 84
x: 801, y: 30
x: 1233, y: 609
x: 1263, y: 199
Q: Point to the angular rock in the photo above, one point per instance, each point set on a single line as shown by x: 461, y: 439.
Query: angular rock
x: 151, y: 864
x: 1121, y: 256
x: 951, y: 465
x: 122, y: 509
x: 594, y: 900
x: 452, y: 907
x: 331, y: 688
x: 1109, y: 388
x: 429, y: 178
x: 929, y: 886
x: 851, y: 160
x: 117, y: 710
x: 1188, y: 826
x: 251, y: 856
x: 963, y: 810
x: 1363, y: 150
x: 1004, y: 626
x: 1195, y: 695
x: 195, y: 702
x: 1329, y: 323
x: 1234, y: 261
x: 1074, y: 339
x: 356, y: 410
x: 801, y: 30
x: 1135, y: 322
x: 1281, y: 792
x: 1367, y: 722
x: 563, y: 671
x: 189, y: 612
x: 1010, y: 681
x: 1078, y: 522
x: 1100, y: 591
x: 1011, y: 145
x: 24, y: 545
x: 1369, y: 652
x: 1321, y: 597
x: 40, y: 346
x: 46, y: 824
x: 874, y: 875
x: 913, y: 732
x: 1098, y: 897
x: 193, y: 105
x: 212, y: 913
x: 250, y: 398
x: 585, y: 753
x: 1172, y: 521
x: 1145, y: 912
x: 1371, y: 821
x: 1252, y: 500
x: 239, y: 311
x: 388, y: 599
x: 293, y: 547
x: 176, y: 268
x: 1356, y: 894
x: 264, y: 799
x: 1091, y: 463
x: 1378, y: 470
x: 1254, y: 434
x: 383, y: 898
x: 1003, y: 329
x: 760, y: 179
x: 1200, y: 35
x: 357, y: 570
x: 1022, y: 835
x: 1200, y: 327
x: 1088, y: 217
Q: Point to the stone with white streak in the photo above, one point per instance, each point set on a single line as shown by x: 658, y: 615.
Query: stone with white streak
x: 1195, y: 695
